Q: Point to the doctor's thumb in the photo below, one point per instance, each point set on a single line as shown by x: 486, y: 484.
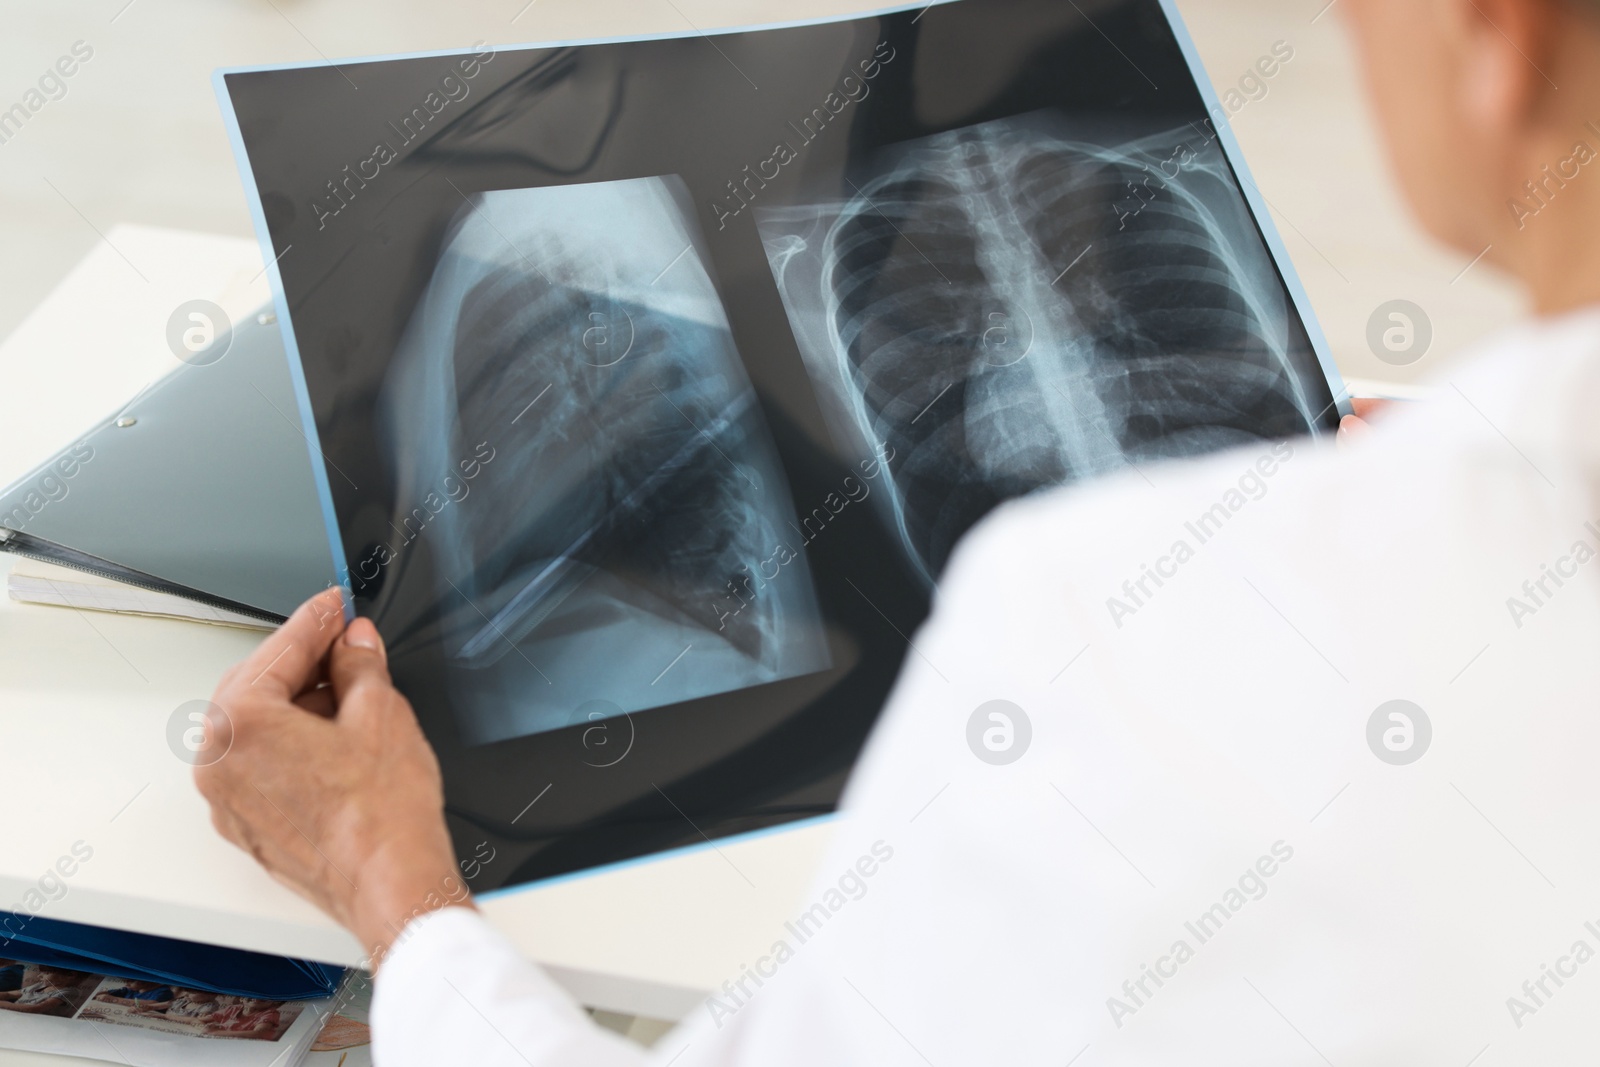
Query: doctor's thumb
x: 357, y: 658
x: 363, y: 634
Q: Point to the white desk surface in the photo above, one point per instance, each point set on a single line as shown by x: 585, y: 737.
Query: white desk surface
x: 85, y: 698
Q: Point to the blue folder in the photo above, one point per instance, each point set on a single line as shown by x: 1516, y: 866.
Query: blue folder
x: 142, y: 957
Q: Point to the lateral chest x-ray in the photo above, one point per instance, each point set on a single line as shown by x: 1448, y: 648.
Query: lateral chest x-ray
x: 654, y: 381
x: 635, y: 491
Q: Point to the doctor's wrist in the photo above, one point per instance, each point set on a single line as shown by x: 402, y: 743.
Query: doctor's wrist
x: 399, y: 886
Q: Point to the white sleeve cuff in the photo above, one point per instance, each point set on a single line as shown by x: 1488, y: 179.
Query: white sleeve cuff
x: 453, y: 990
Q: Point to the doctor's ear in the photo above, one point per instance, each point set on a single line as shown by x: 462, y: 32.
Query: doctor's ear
x: 1511, y: 51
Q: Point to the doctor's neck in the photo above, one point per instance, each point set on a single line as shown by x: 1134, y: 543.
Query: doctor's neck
x: 1549, y: 230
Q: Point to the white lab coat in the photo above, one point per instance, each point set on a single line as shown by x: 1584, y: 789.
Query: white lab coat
x: 1200, y: 858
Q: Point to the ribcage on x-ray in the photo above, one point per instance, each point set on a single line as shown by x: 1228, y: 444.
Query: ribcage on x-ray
x: 1009, y: 309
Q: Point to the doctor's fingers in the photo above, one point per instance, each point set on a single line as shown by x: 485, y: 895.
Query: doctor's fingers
x: 372, y: 712
x: 1352, y: 430
x: 291, y: 659
x: 357, y: 661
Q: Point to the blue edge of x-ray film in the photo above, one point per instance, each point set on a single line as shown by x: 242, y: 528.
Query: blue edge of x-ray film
x: 1214, y: 108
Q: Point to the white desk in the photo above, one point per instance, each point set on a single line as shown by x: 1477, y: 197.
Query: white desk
x: 85, y: 698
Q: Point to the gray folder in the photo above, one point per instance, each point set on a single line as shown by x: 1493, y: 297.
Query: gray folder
x: 202, y: 487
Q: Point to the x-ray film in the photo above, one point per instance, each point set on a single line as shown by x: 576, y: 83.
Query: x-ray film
x: 649, y: 384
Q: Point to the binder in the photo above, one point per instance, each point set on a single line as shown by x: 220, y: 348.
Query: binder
x: 200, y: 487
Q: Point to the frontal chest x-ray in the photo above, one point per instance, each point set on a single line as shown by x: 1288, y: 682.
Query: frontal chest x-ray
x: 1028, y: 302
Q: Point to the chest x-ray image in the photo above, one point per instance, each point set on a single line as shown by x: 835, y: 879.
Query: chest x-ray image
x: 611, y: 508
x: 649, y: 383
x: 1025, y: 303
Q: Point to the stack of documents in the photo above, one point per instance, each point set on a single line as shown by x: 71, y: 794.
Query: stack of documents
x: 35, y: 582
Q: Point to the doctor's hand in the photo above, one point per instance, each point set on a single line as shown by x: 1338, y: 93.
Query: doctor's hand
x: 326, y: 779
x: 1353, y: 428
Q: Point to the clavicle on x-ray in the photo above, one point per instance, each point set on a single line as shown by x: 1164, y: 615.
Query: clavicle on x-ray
x: 1025, y: 303
x: 626, y: 488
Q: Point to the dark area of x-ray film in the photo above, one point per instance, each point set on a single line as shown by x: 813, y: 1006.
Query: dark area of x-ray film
x: 657, y: 379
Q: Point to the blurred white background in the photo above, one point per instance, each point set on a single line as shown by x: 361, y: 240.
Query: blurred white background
x: 138, y: 136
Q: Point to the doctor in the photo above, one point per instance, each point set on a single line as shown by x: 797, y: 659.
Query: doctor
x: 1297, y: 760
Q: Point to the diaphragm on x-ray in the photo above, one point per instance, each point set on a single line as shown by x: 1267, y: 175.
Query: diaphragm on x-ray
x: 616, y: 546
x: 1028, y: 302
